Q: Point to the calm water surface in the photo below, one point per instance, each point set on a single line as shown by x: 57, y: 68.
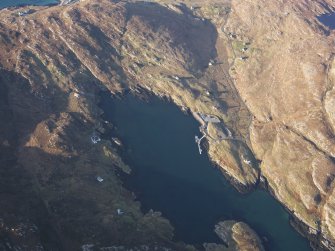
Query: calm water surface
x: 328, y: 20
x: 7, y: 3
x: 170, y: 176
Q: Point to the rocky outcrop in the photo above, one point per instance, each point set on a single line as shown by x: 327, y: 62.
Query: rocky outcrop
x: 236, y: 236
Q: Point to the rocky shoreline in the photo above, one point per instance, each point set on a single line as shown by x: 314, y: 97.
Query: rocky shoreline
x: 236, y: 236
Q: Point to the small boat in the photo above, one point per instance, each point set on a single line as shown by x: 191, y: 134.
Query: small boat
x: 117, y: 141
x: 246, y: 161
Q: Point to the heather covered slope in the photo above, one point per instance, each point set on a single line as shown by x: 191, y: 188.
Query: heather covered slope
x: 287, y: 85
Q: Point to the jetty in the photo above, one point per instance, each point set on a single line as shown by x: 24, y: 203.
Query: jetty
x: 204, y: 120
x: 198, y: 141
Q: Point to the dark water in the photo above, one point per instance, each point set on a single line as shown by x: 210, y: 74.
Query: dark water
x: 328, y: 20
x: 7, y: 3
x: 170, y: 176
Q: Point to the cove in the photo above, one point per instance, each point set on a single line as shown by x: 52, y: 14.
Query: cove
x: 170, y: 176
x: 328, y: 19
x: 8, y: 3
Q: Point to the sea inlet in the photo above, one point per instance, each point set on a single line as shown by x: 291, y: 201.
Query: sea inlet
x: 8, y: 3
x: 169, y: 175
x: 328, y: 19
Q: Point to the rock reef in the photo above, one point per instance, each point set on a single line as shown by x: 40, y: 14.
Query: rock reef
x: 236, y: 236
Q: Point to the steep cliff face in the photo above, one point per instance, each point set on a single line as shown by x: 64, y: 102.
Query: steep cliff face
x: 264, y: 68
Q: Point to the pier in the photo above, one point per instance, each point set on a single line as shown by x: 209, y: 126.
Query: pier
x: 198, y: 141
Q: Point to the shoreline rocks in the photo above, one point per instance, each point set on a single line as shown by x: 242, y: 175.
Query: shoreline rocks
x: 235, y: 236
